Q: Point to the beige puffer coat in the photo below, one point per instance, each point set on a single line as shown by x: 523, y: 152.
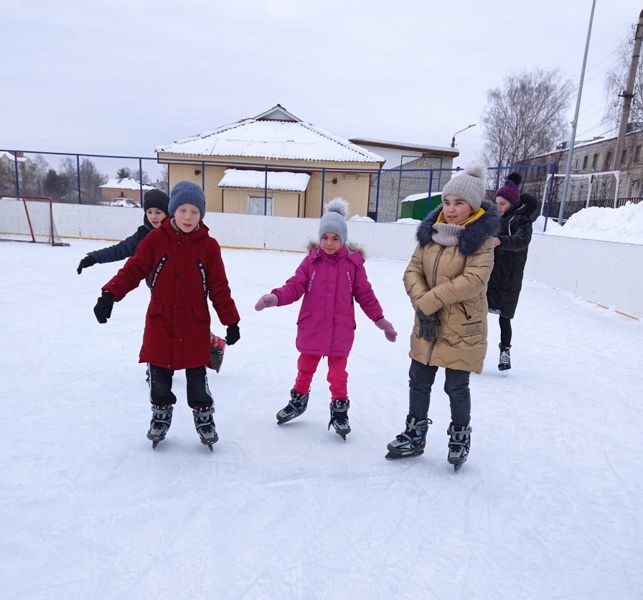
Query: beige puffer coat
x: 452, y: 281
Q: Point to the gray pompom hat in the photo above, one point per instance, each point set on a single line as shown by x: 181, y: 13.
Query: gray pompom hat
x: 334, y: 221
x: 470, y: 186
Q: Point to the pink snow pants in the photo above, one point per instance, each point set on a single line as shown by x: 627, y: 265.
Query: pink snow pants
x: 337, y: 375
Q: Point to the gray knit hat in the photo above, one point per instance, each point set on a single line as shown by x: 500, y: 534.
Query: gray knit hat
x: 334, y: 221
x: 470, y: 186
x: 186, y: 192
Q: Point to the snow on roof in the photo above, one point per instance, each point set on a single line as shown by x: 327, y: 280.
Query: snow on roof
x: 126, y: 184
x: 272, y: 135
x: 277, y: 180
x: 404, y: 145
x: 422, y: 196
x: 12, y: 157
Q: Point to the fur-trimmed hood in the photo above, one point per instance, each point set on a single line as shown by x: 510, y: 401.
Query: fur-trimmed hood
x: 350, y: 246
x: 473, y: 236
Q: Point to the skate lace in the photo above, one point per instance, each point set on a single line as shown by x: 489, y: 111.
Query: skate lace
x: 504, y: 357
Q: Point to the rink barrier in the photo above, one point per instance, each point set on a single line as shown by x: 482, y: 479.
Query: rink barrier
x: 605, y: 273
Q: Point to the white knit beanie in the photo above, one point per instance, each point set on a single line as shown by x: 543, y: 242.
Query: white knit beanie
x: 470, y: 186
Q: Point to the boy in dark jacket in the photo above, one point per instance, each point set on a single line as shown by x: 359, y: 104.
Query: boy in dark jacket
x: 155, y: 206
x: 518, y: 211
x: 186, y: 268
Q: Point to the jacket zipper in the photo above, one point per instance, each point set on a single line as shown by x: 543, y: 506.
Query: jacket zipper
x: 435, y: 278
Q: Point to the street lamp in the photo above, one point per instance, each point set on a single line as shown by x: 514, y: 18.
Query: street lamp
x: 461, y: 130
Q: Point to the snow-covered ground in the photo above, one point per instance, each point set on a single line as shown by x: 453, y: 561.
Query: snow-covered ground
x: 546, y: 507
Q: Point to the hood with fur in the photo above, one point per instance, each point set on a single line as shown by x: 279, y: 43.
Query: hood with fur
x: 474, y: 234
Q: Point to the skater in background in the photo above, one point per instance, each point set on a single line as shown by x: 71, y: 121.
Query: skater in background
x: 446, y: 281
x: 518, y: 212
x: 187, y: 267
x: 329, y: 278
x: 155, y: 204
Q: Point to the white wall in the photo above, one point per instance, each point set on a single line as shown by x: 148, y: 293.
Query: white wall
x: 608, y: 273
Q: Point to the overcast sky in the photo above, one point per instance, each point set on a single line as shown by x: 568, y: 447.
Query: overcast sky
x: 122, y: 77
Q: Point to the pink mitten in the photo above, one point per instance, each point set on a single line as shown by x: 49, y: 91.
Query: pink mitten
x: 387, y: 328
x: 266, y: 301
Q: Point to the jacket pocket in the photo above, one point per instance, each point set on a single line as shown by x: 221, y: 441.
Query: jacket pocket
x: 471, y: 328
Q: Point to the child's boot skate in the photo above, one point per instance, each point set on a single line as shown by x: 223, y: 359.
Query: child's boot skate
x: 459, y: 443
x: 339, y: 417
x: 160, y: 423
x: 204, y: 424
x: 297, y: 405
x: 504, y: 363
x: 411, y: 441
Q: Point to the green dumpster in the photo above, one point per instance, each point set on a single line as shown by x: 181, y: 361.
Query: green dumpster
x: 417, y: 206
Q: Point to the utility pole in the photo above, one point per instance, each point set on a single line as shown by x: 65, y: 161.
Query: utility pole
x: 572, y: 139
x: 627, y: 95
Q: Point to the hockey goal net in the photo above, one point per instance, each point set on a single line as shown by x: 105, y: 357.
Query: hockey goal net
x: 28, y: 219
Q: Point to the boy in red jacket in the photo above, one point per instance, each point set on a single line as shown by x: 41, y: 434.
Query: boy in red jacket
x: 186, y: 268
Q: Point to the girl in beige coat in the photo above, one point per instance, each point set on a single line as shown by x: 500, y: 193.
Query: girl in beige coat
x: 446, y: 281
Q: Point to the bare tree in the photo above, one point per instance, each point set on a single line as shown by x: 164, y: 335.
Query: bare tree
x: 615, y: 83
x: 526, y: 116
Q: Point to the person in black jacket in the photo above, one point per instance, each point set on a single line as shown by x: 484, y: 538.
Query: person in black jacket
x: 518, y: 212
x: 155, y: 205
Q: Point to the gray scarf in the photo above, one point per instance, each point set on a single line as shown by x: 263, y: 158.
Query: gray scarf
x: 446, y: 234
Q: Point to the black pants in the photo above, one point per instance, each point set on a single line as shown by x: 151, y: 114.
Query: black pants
x: 505, y: 332
x: 421, y: 378
x: 198, y: 392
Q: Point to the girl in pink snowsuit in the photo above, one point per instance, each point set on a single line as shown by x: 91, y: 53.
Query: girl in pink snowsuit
x: 329, y: 278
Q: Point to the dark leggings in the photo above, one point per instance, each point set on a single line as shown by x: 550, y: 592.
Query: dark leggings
x: 505, y: 332
x: 456, y: 385
x: 198, y: 392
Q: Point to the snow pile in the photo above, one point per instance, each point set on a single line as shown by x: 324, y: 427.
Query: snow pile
x: 126, y: 184
x: 622, y: 224
x: 362, y: 219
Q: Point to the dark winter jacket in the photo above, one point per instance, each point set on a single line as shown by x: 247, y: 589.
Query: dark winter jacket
x: 123, y: 249
x: 451, y: 281
x: 510, y: 257
x: 186, y: 269
x: 326, y: 323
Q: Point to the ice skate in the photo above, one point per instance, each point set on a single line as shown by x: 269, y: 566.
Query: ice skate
x: 339, y: 417
x: 205, y: 426
x: 459, y: 443
x: 297, y: 405
x: 217, y: 349
x: 160, y: 423
x: 411, y: 441
x: 504, y: 363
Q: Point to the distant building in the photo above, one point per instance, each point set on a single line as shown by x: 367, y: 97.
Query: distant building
x: 275, y: 164
x: 123, y: 189
x: 410, y: 164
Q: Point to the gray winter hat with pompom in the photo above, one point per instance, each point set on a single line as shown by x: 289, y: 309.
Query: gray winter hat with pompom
x: 334, y: 221
x: 470, y: 186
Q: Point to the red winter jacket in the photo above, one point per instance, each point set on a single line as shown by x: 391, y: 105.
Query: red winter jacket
x: 326, y: 323
x: 185, y: 269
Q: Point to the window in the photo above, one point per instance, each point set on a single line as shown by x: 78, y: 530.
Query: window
x: 585, y: 163
x: 256, y: 205
x: 595, y: 161
x: 576, y: 165
x: 624, y: 157
x: 637, y: 153
x: 608, y: 161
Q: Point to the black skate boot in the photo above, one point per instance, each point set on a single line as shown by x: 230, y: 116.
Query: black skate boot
x: 504, y: 364
x: 339, y: 417
x: 205, y: 426
x: 160, y: 423
x: 297, y: 405
x: 411, y: 441
x: 459, y: 443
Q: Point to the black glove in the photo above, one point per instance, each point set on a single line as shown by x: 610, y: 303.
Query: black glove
x: 232, y: 334
x: 103, y: 308
x: 429, y: 325
x: 88, y: 261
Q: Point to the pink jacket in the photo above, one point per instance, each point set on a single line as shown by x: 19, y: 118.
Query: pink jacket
x: 326, y: 323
